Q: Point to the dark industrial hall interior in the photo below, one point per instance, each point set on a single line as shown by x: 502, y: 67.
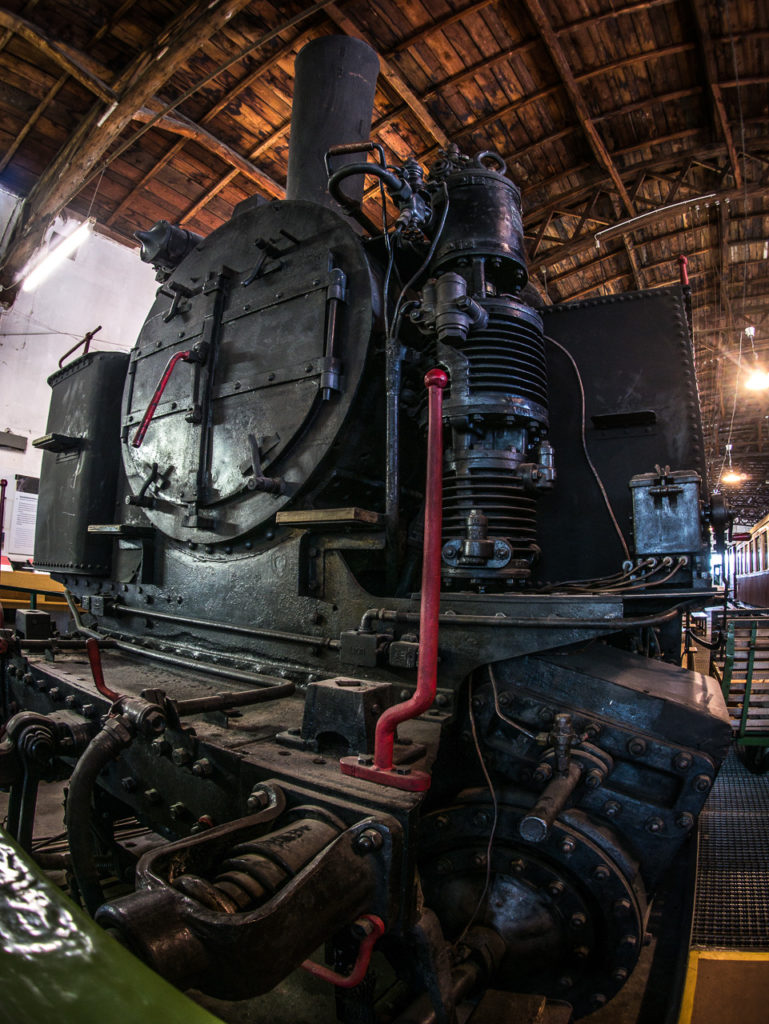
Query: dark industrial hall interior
x: 384, y: 511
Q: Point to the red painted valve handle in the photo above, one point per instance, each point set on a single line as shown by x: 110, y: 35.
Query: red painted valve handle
x: 94, y: 657
x: 155, y: 400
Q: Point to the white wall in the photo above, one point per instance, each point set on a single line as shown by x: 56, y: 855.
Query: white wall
x: 105, y: 284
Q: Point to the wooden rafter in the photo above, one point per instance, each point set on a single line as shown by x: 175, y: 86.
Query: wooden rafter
x: 229, y: 97
x: 723, y: 254
x: 438, y: 25
x: 392, y: 75
x: 587, y: 242
x: 58, y: 86
x: 711, y: 74
x: 181, y: 125
x: 76, y: 161
x: 60, y: 54
x: 573, y: 91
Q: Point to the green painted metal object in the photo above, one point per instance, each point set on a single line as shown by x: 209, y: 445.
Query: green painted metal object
x: 58, y: 967
x: 745, y: 686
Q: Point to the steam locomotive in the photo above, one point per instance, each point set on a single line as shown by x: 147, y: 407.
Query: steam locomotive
x: 379, y: 570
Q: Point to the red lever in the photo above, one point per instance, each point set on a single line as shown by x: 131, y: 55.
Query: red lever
x: 155, y: 400
x: 373, y: 927
x: 382, y: 771
x: 94, y: 656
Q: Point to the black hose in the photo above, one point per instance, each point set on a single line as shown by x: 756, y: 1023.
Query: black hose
x: 394, y: 185
x: 103, y: 748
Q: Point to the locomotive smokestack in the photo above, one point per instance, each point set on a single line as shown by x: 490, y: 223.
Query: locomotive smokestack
x: 334, y: 83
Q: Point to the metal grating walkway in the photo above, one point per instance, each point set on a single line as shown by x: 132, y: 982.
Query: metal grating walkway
x: 731, y: 909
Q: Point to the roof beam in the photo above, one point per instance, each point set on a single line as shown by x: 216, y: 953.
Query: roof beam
x: 572, y: 248
x: 178, y: 124
x: 436, y: 26
x: 64, y: 56
x: 80, y: 156
x: 711, y: 75
x: 209, y: 116
x: 723, y: 253
x: 558, y: 57
x: 394, y: 78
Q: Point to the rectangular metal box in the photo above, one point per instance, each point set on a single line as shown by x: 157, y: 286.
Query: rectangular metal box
x: 666, y: 513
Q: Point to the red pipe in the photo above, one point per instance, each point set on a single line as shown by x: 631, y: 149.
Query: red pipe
x: 683, y: 267
x: 382, y: 771
x: 424, y: 695
x: 94, y: 656
x: 155, y: 400
x: 374, y: 928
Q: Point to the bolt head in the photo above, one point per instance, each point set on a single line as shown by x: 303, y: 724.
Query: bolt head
x: 577, y: 921
x: 682, y: 761
x: 368, y: 841
x: 180, y: 756
x: 655, y: 825
x: 612, y: 809
x: 568, y: 846
x: 601, y: 873
x: 636, y: 746
x: 203, y: 768
x: 258, y: 800
x: 703, y: 783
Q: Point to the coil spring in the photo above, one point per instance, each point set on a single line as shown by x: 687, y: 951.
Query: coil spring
x: 252, y: 872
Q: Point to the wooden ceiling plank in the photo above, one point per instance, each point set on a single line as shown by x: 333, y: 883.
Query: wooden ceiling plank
x: 58, y: 85
x: 644, y: 104
x: 153, y: 172
x: 438, y: 25
x: 487, y: 64
x: 196, y: 207
x: 181, y: 125
x: 573, y: 248
x: 392, y: 75
x: 573, y: 91
x: 64, y: 57
x: 209, y: 116
x: 711, y: 75
x: 634, y: 59
x: 77, y: 160
x: 611, y: 15
x: 31, y: 122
